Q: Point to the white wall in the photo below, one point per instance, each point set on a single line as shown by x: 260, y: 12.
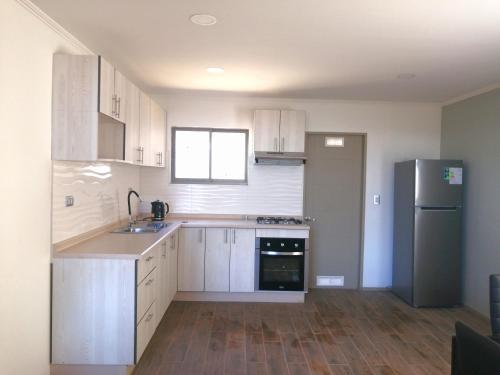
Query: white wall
x: 26, y: 48
x: 395, y: 132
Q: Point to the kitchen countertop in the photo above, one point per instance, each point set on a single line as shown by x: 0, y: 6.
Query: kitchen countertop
x: 134, y: 246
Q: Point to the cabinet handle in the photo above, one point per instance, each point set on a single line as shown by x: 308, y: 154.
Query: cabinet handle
x: 234, y: 235
x: 113, y: 104
x: 159, y: 158
x: 275, y: 144
x: 119, y: 106
x: 225, y: 235
x: 149, y: 258
x: 148, y: 318
x: 200, y: 239
x: 282, y: 144
x: 150, y: 281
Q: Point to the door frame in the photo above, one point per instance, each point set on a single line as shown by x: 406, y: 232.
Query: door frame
x: 361, y: 251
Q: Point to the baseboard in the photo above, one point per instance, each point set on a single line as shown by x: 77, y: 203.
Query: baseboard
x: 375, y: 289
x: 278, y: 297
x: 91, y: 369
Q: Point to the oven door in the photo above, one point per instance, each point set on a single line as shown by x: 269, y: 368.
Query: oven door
x: 281, y: 270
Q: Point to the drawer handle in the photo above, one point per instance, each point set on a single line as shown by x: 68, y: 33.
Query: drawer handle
x: 148, y: 318
x: 150, y: 281
x: 149, y: 258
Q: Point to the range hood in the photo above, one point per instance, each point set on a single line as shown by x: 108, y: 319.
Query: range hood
x: 279, y: 158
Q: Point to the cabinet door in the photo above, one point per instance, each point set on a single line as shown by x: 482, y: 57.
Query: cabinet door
x: 121, y: 83
x: 107, y: 103
x: 217, y: 254
x: 145, y: 129
x: 292, y: 131
x: 163, y: 280
x: 266, y: 130
x: 242, y: 265
x: 132, y: 144
x: 158, y: 134
x: 172, y: 263
x: 191, y: 271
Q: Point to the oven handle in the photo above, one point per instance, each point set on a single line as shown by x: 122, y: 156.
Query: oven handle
x: 289, y: 253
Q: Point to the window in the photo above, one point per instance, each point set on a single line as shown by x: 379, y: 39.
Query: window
x: 209, y: 156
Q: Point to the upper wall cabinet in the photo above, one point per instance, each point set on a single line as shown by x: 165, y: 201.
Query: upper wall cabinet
x: 279, y: 131
x: 97, y: 114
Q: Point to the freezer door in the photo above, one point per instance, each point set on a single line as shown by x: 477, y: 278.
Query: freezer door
x: 437, y: 183
x: 437, y: 257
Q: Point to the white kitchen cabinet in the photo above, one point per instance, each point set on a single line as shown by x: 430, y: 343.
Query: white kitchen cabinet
x: 191, y: 260
x: 158, y: 134
x: 217, y: 253
x: 266, y: 130
x: 292, y: 131
x: 132, y: 140
x: 279, y: 131
x: 242, y: 261
x: 163, y: 285
x: 112, y: 86
x: 172, y: 264
x: 145, y: 130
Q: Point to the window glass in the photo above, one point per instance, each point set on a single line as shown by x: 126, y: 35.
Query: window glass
x: 228, y: 155
x: 191, y: 154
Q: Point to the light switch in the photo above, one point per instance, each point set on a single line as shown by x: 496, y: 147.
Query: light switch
x: 376, y: 199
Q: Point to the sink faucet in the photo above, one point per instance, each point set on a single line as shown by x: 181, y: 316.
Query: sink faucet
x: 130, y: 221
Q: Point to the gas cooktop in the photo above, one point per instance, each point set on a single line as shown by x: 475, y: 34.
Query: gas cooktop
x: 278, y: 220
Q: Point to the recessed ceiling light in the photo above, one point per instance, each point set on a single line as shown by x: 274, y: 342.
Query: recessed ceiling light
x: 215, y: 70
x: 406, y: 76
x: 203, y: 19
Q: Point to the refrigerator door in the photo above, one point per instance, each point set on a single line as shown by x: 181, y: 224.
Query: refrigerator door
x: 438, y: 183
x: 437, y: 257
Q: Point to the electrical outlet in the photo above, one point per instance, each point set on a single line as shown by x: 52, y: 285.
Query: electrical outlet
x: 329, y: 280
x: 69, y: 200
x: 376, y: 199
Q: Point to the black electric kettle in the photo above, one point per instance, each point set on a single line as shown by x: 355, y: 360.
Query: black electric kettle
x: 159, y: 210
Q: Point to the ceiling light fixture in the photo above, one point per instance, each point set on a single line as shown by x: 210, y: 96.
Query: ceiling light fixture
x: 215, y: 70
x: 406, y: 76
x: 203, y: 19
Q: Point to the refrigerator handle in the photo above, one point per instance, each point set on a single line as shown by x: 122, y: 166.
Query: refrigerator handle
x: 436, y: 208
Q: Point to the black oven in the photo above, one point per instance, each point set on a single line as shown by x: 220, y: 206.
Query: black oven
x: 281, y: 263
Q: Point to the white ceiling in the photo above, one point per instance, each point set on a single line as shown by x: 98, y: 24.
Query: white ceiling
x: 343, y: 49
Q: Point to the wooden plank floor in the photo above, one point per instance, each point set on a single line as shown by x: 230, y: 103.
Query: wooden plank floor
x: 334, y: 332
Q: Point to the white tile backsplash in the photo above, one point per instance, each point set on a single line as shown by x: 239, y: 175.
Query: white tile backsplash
x: 271, y: 190
x: 100, y: 196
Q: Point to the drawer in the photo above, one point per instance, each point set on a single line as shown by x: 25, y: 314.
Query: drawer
x: 146, y: 294
x: 145, y: 330
x: 147, y: 263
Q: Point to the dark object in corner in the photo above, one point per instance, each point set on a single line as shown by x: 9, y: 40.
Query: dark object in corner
x: 495, y: 307
x: 473, y: 353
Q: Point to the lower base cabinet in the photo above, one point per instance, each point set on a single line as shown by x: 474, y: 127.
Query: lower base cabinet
x: 105, y: 311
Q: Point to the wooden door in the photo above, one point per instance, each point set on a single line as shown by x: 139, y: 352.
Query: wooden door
x: 242, y: 265
x: 292, y: 131
x: 191, y: 270
x: 107, y: 102
x: 333, y: 196
x: 132, y: 94
x: 266, y: 130
x: 217, y: 254
x: 121, y: 83
x: 145, y: 129
x: 158, y: 134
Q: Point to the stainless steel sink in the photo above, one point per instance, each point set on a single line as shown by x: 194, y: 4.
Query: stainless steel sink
x: 148, y: 228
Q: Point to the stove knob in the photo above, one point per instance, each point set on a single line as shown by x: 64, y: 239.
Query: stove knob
x: 296, y: 245
x: 282, y: 244
x: 268, y: 244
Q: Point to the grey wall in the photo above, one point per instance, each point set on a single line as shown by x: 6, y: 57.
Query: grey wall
x: 471, y: 131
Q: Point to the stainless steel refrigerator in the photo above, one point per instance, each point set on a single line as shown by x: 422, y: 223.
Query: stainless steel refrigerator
x: 428, y: 232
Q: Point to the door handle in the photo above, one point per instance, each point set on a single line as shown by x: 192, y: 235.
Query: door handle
x: 282, y: 144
